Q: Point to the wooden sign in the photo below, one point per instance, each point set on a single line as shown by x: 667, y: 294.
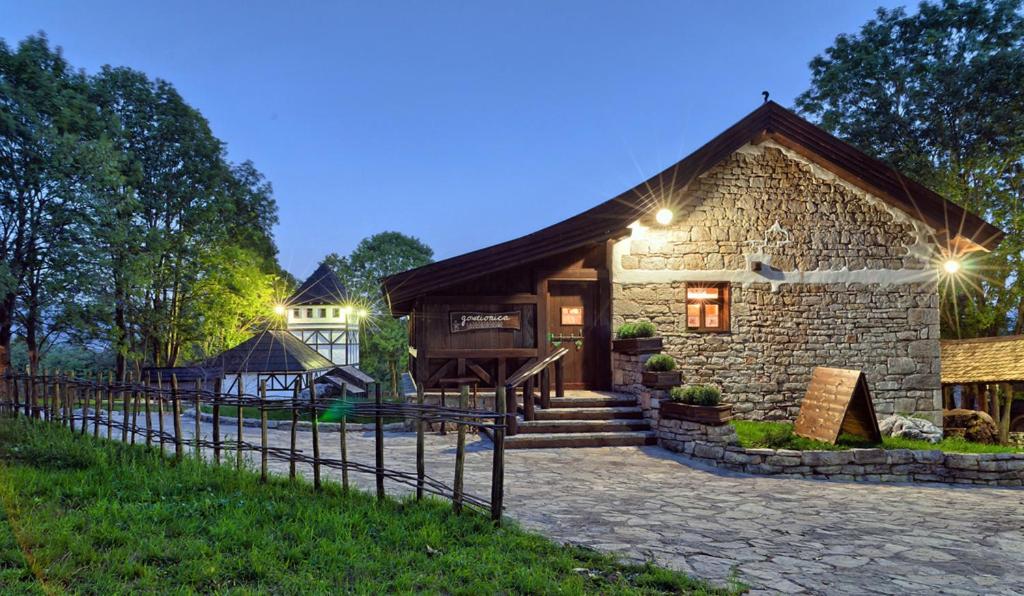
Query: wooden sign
x: 476, y: 321
x: 837, y: 401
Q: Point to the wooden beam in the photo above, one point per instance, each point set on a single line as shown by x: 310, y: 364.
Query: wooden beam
x: 478, y: 354
x: 479, y: 371
x: 470, y: 300
x: 440, y: 373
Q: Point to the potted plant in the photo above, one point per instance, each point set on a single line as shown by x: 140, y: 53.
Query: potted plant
x: 660, y: 372
x: 697, y: 403
x: 637, y: 338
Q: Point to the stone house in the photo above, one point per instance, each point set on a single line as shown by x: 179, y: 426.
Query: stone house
x: 771, y: 250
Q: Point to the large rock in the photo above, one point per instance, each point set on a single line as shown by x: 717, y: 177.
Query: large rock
x: 971, y: 424
x: 910, y: 428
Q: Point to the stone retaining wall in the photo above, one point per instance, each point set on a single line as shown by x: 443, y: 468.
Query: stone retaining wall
x: 719, y: 446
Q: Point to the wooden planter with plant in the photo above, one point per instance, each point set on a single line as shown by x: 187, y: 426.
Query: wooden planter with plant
x: 697, y: 403
x: 637, y: 338
x: 660, y: 372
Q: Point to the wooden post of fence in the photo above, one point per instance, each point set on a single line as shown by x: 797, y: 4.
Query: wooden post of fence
x: 263, y: 431
x: 176, y: 404
x: 460, y: 452
x: 238, y: 420
x: 379, y: 439
x: 83, y: 400
x: 14, y: 394
x: 510, y: 410
x: 216, y: 420
x: 44, y: 395
x: 146, y: 390
x: 343, y: 436
x: 110, y: 405
x: 135, y: 402
x: 160, y: 409
x: 126, y: 401
x: 421, y: 468
x: 98, y: 402
x: 69, y: 410
x: 30, y: 394
x: 293, y: 436
x: 198, y: 418
x: 315, y: 423
x: 498, y: 465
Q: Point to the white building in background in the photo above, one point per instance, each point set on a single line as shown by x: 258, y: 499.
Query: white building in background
x: 318, y: 315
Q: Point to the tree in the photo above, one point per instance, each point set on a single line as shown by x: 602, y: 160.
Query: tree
x: 384, y: 339
x: 940, y: 95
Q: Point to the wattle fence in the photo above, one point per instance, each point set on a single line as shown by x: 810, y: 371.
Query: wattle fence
x: 88, y: 406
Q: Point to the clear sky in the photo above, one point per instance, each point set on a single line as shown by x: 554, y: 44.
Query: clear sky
x: 462, y: 123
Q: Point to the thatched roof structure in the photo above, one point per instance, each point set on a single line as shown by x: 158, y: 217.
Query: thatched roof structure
x: 272, y: 351
x: 983, y: 360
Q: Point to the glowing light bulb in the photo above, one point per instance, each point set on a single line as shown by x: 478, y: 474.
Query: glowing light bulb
x: 951, y: 266
x: 278, y: 309
x: 362, y: 313
x: 663, y: 216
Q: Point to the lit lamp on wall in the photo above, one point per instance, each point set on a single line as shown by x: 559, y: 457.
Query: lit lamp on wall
x: 951, y: 266
x: 663, y: 216
x: 279, y: 310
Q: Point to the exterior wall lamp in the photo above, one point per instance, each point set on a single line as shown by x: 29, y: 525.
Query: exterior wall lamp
x: 663, y: 216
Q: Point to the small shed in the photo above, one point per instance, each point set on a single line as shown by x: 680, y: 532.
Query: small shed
x: 275, y: 356
x: 985, y: 369
x: 354, y: 380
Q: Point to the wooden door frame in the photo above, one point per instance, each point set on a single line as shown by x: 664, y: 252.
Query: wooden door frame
x: 599, y: 287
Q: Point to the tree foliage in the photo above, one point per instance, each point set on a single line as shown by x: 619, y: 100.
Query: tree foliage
x: 384, y: 339
x: 939, y: 94
x: 123, y: 221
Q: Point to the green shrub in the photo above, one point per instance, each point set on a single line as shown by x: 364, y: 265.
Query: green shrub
x: 635, y: 330
x: 697, y: 395
x: 660, y: 363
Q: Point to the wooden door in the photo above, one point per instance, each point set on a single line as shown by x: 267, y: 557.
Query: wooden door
x: 574, y: 322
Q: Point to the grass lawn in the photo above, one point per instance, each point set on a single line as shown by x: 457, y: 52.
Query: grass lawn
x: 779, y: 435
x: 84, y: 515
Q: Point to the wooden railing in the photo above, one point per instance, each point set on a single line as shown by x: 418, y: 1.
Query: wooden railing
x: 84, y: 404
x: 534, y: 371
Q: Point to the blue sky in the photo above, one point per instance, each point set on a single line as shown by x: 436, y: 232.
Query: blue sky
x: 462, y: 123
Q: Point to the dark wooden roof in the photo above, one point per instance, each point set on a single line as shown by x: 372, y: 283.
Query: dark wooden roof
x: 323, y: 287
x: 273, y: 350
x: 983, y: 360
x: 609, y: 219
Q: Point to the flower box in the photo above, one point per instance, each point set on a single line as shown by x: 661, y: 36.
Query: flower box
x: 662, y: 379
x: 637, y: 345
x: 709, y: 415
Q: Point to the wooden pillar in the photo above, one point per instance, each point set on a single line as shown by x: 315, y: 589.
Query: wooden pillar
x: 460, y: 453
x: 420, y: 463
x: 498, y: 464
x: 240, y: 392
x: 343, y: 436
x: 176, y: 404
x: 379, y: 441
x: 263, y: 432
x: 545, y: 388
x: 528, y: 411
x: 216, y: 419
x: 315, y: 422
x: 293, y: 435
x: 559, y: 378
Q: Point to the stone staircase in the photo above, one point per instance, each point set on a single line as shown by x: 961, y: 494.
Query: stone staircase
x: 589, y: 419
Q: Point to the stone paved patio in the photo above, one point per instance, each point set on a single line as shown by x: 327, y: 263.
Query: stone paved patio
x: 776, y: 535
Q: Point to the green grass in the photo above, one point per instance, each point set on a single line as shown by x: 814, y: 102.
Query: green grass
x: 779, y: 435
x: 83, y: 515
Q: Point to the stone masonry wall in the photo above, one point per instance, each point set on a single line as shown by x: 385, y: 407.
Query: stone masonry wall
x: 852, y: 287
x: 718, y: 446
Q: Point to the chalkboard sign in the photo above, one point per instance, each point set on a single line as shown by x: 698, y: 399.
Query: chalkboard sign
x: 476, y: 321
x: 837, y: 401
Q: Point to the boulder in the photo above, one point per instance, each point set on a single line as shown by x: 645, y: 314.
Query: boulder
x: 910, y: 428
x: 972, y: 425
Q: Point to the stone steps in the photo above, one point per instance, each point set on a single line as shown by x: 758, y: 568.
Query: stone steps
x: 582, y: 426
x: 593, y: 439
x: 564, y: 413
x: 594, y: 401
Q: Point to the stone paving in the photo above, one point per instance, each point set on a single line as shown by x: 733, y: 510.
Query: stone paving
x: 774, y: 534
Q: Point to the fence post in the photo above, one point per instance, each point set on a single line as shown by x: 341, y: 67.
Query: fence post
x: 498, y: 465
x: 343, y: 437
x: 98, y: 402
x: 510, y: 410
x: 379, y: 440
x: 216, y: 420
x: 176, y: 404
x: 160, y: 409
x: 421, y: 468
x: 199, y: 422
x: 110, y: 405
x: 135, y: 401
x: 126, y: 402
x: 149, y: 410
x: 238, y: 420
x: 294, y: 431
x: 83, y: 399
x: 68, y: 401
x: 263, y: 431
x: 460, y: 451
x: 315, y: 422
x: 44, y: 395
x: 30, y: 394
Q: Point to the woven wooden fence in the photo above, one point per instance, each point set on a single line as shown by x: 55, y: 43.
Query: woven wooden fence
x: 152, y: 414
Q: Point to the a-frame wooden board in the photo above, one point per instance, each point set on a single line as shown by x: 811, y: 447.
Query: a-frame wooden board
x: 837, y: 401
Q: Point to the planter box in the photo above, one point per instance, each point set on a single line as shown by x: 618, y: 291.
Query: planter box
x: 638, y: 345
x: 710, y: 415
x: 662, y: 380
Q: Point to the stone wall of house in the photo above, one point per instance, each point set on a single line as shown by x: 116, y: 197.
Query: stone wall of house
x: 851, y: 285
x: 718, y: 446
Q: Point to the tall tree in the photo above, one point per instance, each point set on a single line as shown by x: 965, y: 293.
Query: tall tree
x: 384, y: 340
x: 940, y: 95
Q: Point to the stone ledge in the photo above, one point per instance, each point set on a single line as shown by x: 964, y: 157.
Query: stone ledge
x: 718, y: 447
